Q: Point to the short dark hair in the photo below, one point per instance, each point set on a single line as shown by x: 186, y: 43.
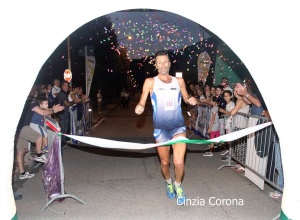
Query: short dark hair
x: 162, y: 53
x: 220, y: 87
x: 214, y: 99
x: 74, y: 86
x: 228, y: 91
x: 41, y: 99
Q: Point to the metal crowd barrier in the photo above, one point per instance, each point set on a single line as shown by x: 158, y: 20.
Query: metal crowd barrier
x: 259, y: 152
x: 79, y: 126
x: 51, y: 139
x: 80, y: 120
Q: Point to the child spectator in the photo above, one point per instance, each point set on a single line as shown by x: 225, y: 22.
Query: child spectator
x: 227, y: 94
x: 37, y: 124
x: 213, y: 90
x: 214, y: 125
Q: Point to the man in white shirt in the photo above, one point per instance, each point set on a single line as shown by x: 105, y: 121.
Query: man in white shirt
x: 56, y: 88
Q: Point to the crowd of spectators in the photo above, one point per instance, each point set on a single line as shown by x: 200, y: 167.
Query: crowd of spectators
x: 43, y: 101
x: 243, y: 97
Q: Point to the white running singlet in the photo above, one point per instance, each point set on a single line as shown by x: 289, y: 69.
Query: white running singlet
x: 166, y: 103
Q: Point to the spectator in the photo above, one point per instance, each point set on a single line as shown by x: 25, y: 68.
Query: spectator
x: 127, y: 98
x: 241, y: 106
x: 225, y: 83
x: 213, y: 90
x: 207, y: 97
x: 76, y: 95
x: 251, y: 95
x: 192, y: 89
x: 62, y: 99
x: 206, y: 90
x: 193, y: 109
x: 42, y: 90
x: 123, y: 98
x: 228, y: 120
x: 214, y: 126
x: 54, y: 92
x: 99, y: 100
x: 27, y: 134
x: 222, y: 105
x: 56, y: 87
x: 81, y: 95
x: 37, y: 124
x: 49, y: 90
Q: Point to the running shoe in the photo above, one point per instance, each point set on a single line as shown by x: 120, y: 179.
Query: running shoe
x: 179, y: 195
x: 170, y: 191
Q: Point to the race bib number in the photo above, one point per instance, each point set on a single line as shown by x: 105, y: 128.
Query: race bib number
x: 169, y: 101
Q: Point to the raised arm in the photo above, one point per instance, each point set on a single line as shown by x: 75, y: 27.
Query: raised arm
x: 147, y: 88
x: 248, y: 98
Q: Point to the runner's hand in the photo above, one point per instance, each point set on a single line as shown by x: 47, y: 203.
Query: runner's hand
x: 139, y: 109
x: 192, y: 101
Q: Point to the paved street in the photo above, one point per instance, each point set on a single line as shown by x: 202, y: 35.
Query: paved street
x: 124, y: 184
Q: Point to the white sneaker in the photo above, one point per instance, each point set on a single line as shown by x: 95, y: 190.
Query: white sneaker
x: 27, y: 175
x: 224, y: 152
x: 208, y: 154
x: 41, y: 159
x: 275, y: 195
x: 45, y: 150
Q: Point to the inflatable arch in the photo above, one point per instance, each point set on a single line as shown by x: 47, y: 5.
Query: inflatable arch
x: 262, y: 33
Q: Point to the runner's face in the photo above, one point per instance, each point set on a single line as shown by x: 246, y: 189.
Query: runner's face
x: 163, y: 64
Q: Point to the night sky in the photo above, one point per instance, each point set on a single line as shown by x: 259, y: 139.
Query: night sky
x: 154, y: 31
x: 150, y: 31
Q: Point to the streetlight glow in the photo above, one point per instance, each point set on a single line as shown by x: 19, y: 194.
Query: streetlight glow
x: 129, y: 37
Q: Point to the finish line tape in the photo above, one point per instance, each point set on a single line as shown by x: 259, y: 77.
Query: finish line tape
x: 106, y: 143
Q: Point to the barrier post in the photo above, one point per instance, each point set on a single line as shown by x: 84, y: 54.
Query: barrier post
x: 61, y: 170
x: 229, y: 158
